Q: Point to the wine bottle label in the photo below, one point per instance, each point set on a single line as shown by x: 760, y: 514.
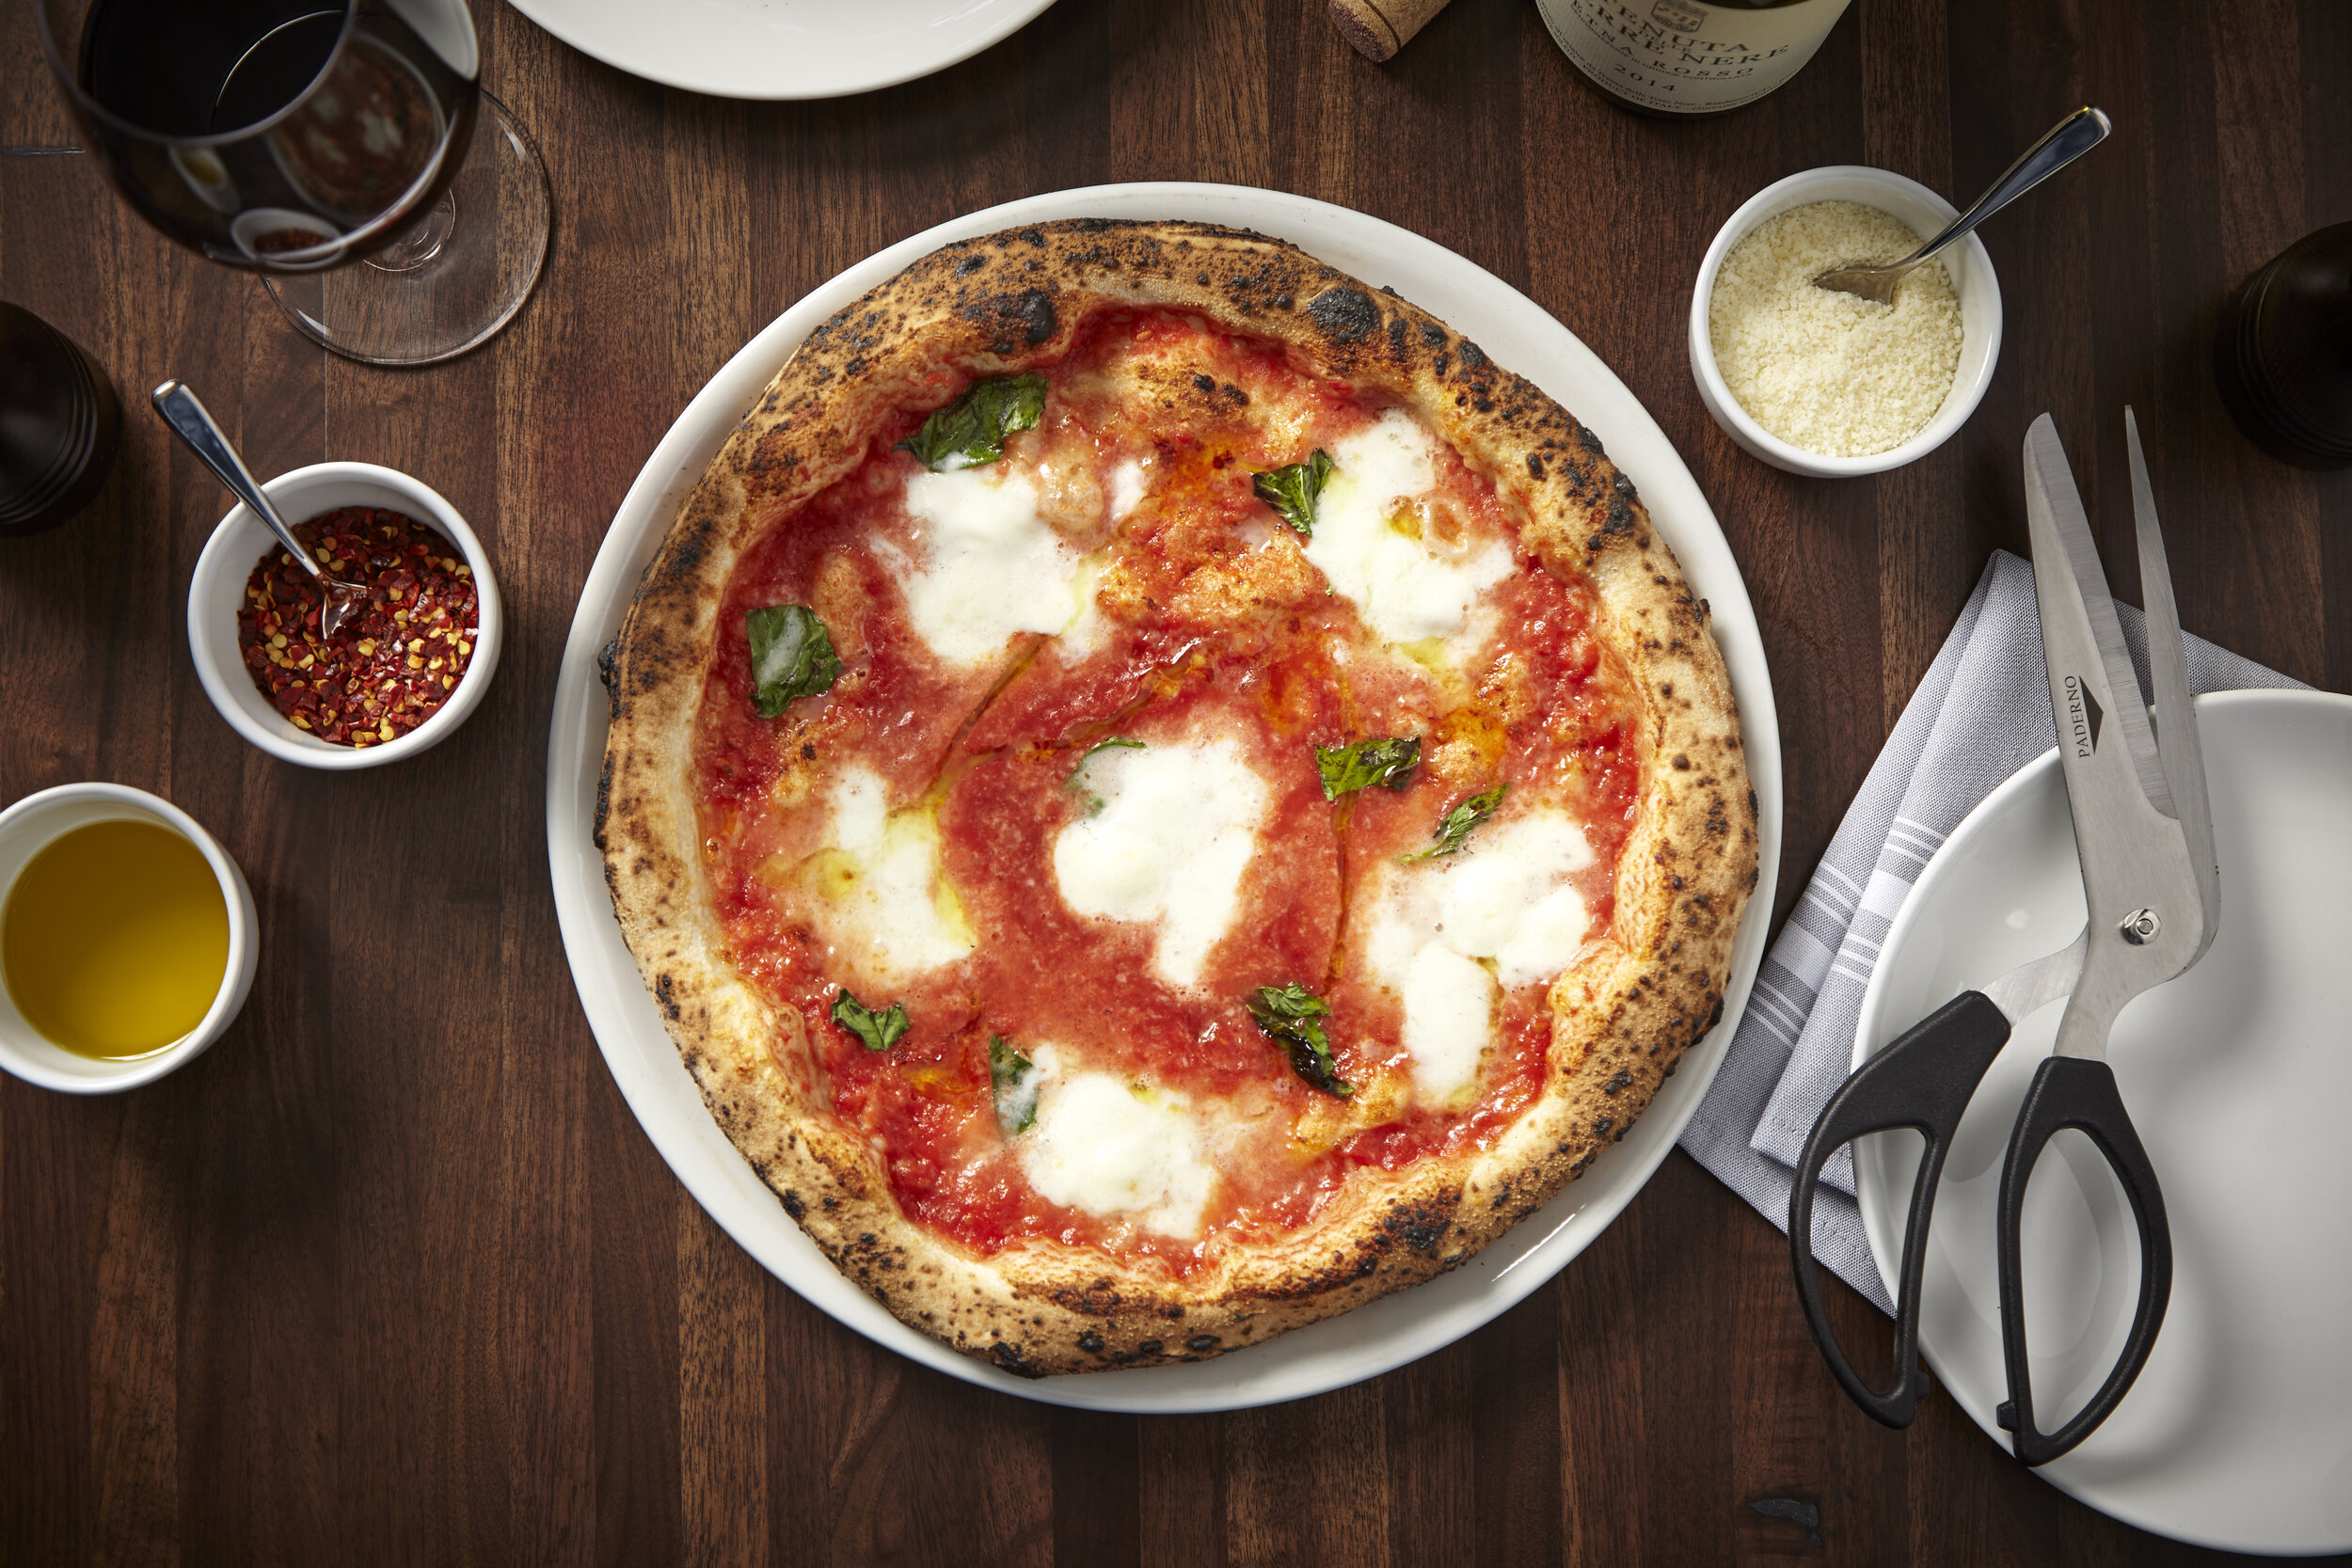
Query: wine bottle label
x: 1685, y: 56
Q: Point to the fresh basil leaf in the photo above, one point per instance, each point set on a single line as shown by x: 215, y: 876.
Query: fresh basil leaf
x: 877, y: 1031
x: 1070, y: 781
x: 1013, y: 1077
x: 1455, y: 825
x: 1346, y: 769
x: 791, y: 657
x: 1291, y: 1016
x: 1126, y: 742
x: 972, y: 430
x: 1292, y: 491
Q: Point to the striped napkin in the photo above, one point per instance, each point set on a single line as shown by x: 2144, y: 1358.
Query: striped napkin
x: 1982, y: 713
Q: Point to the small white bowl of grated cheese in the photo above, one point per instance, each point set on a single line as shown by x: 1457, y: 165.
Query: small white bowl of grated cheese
x: 1823, y: 383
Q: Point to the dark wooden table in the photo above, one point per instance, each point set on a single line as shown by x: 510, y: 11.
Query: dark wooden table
x: 392, y: 1275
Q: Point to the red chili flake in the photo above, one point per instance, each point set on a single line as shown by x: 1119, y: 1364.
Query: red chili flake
x: 392, y: 664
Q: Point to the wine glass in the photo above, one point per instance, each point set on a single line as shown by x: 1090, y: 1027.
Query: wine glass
x: 293, y: 137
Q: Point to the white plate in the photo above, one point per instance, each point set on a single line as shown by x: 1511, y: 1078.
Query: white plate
x: 2238, y: 1434
x: 781, y: 48
x: 1329, y: 1354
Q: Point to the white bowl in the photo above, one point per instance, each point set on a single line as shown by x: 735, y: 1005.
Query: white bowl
x: 228, y: 562
x: 1967, y: 264
x: 31, y: 826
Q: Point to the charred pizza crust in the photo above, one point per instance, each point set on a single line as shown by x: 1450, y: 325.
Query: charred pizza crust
x: 1620, y: 1020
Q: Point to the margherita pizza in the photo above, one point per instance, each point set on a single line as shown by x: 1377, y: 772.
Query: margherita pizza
x: 1163, y: 794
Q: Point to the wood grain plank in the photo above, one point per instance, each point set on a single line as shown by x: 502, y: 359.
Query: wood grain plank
x: 722, y: 1403
x: 135, y: 1343
x: 32, y: 110
x: 1182, y: 1495
x: 47, y: 1295
x: 1311, y: 122
x: 1602, y: 1430
x: 837, y: 1440
x: 1097, y: 1478
x: 1517, y: 1515
x: 1974, y: 1503
x: 1790, y: 1409
x: 1603, y: 1408
x: 1300, y: 1482
x: 984, y: 1463
x: 1188, y: 96
x: 635, y: 1368
x: 1630, y: 1385
x: 1431, y: 1479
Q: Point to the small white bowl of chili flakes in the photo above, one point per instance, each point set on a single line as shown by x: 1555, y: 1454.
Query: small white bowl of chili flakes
x: 396, y: 680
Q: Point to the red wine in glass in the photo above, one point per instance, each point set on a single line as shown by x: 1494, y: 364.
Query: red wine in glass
x: 159, y: 64
x: 295, y: 137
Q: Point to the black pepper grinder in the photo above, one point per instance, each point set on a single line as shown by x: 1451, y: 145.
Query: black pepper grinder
x: 58, y: 424
x: 2282, y: 355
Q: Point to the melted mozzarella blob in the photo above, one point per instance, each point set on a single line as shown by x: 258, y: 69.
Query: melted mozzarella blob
x: 1176, y: 829
x: 1546, y: 941
x: 1406, y: 588
x: 1116, y: 1151
x: 1127, y: 488
x: 1449, y: 1020
x: 1487, y: 899
x: 1504, y: 899
x: 993, y: 567
x: 881, y: 899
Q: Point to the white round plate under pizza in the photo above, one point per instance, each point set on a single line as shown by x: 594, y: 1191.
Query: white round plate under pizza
x: 1162, y: 796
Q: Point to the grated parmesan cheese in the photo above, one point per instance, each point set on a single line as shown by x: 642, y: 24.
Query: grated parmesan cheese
x: 1825, y: 371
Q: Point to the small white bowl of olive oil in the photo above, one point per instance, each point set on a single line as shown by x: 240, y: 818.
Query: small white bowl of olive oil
x: 127, y: 939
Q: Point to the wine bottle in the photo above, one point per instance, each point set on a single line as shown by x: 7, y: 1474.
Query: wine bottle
x: 2282, y: 353
x: 1689, y: 56
x: 58, y: 424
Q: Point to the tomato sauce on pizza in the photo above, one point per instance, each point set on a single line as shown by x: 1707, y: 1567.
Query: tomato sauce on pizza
x: 1205, y: 793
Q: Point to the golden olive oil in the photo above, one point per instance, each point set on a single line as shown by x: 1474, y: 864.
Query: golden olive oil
x: 114, y: 939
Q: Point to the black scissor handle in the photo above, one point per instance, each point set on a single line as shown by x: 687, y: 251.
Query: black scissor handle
x: 1924, y: 1081
x: 2076, y: 1091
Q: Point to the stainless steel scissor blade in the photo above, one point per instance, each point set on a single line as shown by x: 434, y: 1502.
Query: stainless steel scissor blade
x: 2181, y: 750
x: 2148, y: 916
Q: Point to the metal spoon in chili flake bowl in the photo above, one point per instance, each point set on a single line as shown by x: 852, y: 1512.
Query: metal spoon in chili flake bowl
x: 192, y: 423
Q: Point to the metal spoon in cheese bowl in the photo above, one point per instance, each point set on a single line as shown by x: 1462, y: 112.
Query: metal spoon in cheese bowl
x: 192, y: 423
x: 2067, y: 140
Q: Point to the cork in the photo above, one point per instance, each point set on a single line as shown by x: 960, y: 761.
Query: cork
x: 1378, y: 28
